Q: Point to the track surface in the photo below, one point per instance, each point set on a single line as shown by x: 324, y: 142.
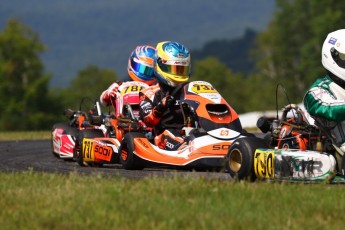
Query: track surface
x: 37, y: 155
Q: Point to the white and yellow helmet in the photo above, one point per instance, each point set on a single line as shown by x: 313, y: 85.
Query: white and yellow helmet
x: 172, y: 63
x: 333, y: 53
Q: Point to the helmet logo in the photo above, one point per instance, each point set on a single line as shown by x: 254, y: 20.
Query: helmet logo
x: 180, y: 63
x: 332, y: 40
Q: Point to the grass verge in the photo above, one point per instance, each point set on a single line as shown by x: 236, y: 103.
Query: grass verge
x: 51, y: 201
x: 25, y: 135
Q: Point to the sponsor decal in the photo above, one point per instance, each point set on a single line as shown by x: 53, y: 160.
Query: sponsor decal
x: 323, y: 92
x: 103, y: 152
x: 269, y: 165
x: 220, y: 147
x: 203, y: 88
x: 87, y: 150
x: 290, y: 166
x: 146, y: 107
x: 130, y: 89
x: 332, y: 41
x: 169, y: 145
x: 264, y: 164
x: 181, y: 63
x: 224, y: 132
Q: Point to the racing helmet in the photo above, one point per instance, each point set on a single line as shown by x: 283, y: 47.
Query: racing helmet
x: 333, y: 53
x: 140, y: 64
x: 172, y: 63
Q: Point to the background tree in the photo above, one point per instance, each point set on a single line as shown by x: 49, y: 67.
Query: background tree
x: 233, y: 53
x: 230, y: 85
x: 90, y: 83
x: 289, y: 51
x: 24, y: 86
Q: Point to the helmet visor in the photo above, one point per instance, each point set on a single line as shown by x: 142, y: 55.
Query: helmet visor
x: 174, y: 69
x: 338, y: 57
x: 142, y: 69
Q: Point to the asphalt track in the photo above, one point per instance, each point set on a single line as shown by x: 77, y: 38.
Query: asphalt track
x: 37, y: 155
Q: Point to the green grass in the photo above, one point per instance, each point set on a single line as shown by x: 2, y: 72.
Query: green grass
x: 25, y: 135
x: 34, y: 200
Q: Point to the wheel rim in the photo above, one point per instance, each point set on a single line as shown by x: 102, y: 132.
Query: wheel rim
x: 235, y: 160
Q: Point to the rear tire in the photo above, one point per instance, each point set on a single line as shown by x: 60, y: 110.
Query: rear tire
x: 128, y: 159
x: 85, y: 133
x: 240, y: 158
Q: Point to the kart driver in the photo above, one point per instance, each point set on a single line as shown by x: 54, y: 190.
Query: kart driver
x: 172, y: 68
x: 325, y: 99
x: 140, y: 68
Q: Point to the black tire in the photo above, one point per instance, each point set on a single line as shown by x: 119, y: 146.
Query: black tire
x: 128, y: 159
x: 73, y: 131
x: 85, y: 133
x: 240, y: 158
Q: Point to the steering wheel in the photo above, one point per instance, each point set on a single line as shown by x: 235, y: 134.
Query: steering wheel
x: 167, y: 116
x: 295, y: 111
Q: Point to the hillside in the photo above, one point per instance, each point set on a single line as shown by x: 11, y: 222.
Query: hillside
x: 104, y: 32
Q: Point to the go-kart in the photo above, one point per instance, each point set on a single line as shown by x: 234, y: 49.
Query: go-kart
x: 297, y: 151
x: 209, y: 125
x: 93, y: 149
x: 87, y: 117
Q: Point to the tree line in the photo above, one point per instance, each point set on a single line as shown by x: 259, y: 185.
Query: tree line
x: 246, y: 72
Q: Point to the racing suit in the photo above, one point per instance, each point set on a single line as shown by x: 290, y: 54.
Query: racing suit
x: 153, y: 104
x: 108, y: 96
x: 325, y: 102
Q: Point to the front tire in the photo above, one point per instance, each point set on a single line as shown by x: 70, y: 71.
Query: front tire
x: 85, y: 133
x: 128, y: 159
x: 240, y: 158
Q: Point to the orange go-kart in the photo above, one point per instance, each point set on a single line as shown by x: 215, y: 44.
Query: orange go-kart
x: 207, y: 122
x: 94, y: 149
x: 87, y: 119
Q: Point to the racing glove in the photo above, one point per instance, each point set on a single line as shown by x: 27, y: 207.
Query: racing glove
x: 112, y: 93
x: 170, y: 101
x: 167, y: 102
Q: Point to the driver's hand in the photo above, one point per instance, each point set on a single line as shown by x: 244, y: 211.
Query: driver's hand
x: 169, y: 101
x: 112, y: 94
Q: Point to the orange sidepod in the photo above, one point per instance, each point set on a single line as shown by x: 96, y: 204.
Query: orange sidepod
x: 144, y: 149
x: 220, y: 148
